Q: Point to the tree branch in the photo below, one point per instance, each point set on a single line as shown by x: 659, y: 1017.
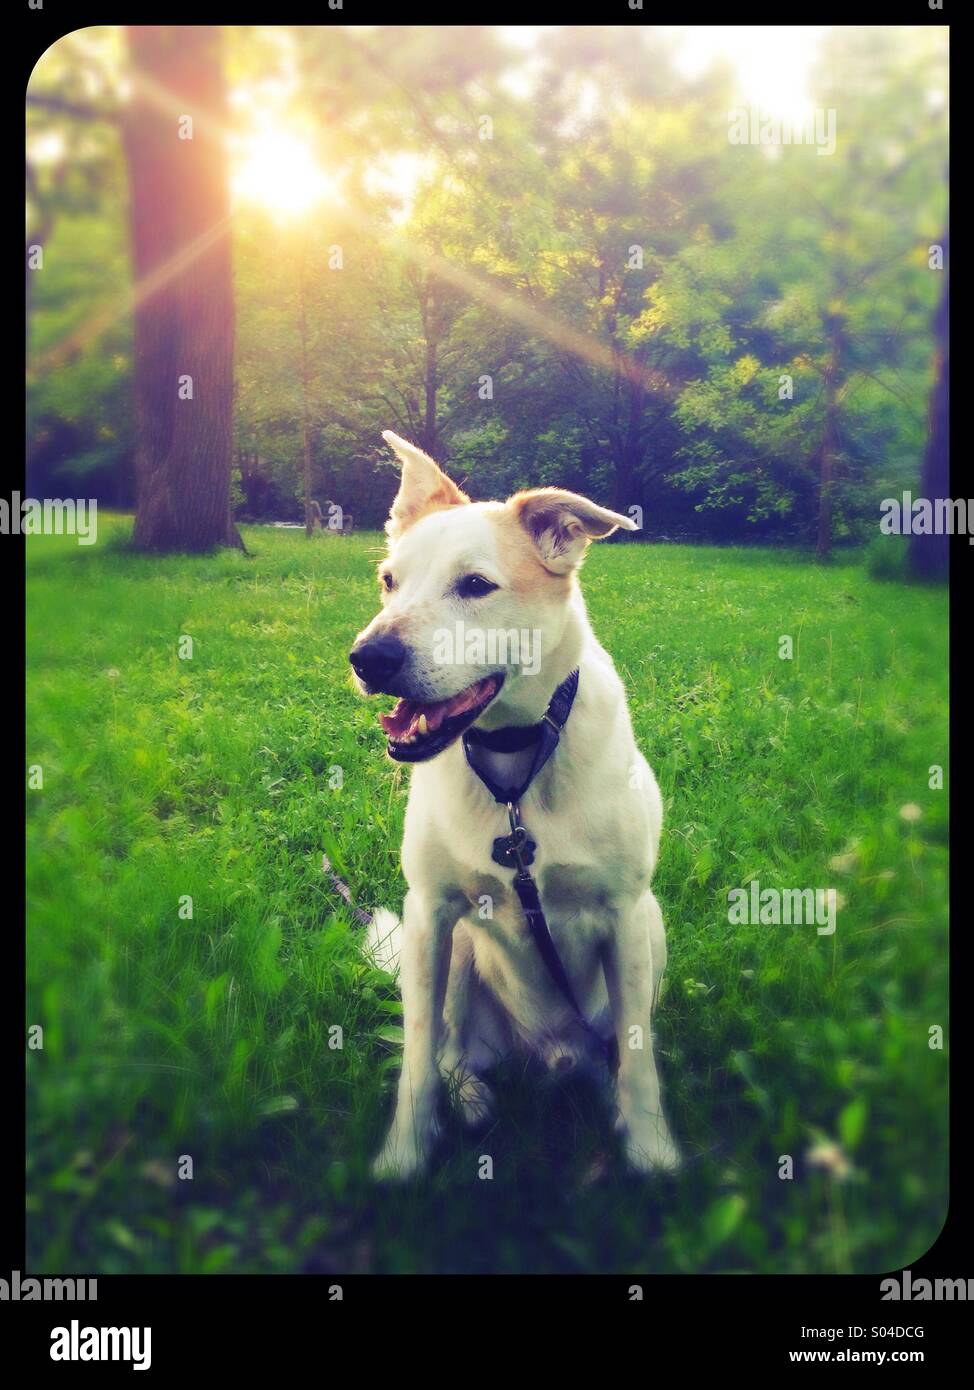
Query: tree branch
x: 47, y: 102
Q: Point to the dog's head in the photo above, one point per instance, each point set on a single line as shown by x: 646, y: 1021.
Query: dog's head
x: 473, y: 596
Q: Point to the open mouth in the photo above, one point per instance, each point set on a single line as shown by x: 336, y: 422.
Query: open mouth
x: 417, y: 730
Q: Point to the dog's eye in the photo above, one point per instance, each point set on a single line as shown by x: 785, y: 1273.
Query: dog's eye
x: 387, y: 580
x: 474, y: 586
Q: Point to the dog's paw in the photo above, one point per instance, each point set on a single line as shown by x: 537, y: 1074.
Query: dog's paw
x: 397, y: 1163
x: 476, y: 1101
x: 403, y: 1155
x: 651, y: 1148
x: 470, y: 1095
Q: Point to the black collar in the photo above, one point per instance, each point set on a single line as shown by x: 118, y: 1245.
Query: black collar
x: 519, y: 736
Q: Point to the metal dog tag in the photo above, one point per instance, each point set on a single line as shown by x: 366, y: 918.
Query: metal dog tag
x: 504, y: 853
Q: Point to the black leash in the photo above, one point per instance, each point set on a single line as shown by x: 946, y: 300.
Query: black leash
x: 516, y: 850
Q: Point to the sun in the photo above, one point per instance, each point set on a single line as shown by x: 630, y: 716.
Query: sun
x: 772, y: 64
x: 278, y: 169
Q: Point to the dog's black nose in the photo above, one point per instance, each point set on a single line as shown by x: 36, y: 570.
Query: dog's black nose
x: 377, y: 660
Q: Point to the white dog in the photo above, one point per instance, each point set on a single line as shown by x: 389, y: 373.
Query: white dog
x: 482, y: 628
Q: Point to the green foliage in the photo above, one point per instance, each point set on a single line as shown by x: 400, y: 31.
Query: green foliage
x: 887, y: 557
x: 210, y: 1036
x: 80, y: 401
x: 635, y: 288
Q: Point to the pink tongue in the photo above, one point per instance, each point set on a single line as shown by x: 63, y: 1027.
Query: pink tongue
x: 404, y: 719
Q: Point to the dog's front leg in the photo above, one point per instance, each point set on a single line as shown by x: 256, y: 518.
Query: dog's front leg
x: 631, y: 977
x: 423, y: 971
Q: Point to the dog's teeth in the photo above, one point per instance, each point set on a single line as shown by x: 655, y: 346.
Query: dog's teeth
x: 422, y: 727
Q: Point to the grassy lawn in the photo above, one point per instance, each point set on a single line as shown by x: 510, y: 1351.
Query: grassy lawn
x: 212, y: 1037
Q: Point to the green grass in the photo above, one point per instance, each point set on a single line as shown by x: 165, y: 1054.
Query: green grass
x: 213, y: 778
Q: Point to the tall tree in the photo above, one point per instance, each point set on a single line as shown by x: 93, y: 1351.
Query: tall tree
x: 179, y: 222
x: 812, y: 316
x: 929, y: 554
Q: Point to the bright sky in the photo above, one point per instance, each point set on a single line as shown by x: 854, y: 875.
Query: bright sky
x: 771, y: 62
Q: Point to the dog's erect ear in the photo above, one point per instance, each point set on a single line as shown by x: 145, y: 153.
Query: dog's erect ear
x: 424, y: 487
x: 561, y: 524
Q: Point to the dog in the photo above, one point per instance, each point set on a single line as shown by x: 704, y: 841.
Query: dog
x: 475, y: 985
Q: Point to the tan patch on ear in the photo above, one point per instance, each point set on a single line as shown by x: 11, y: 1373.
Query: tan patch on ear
x: 424, y: 487
x: 519, y: 556
x: 403, y: 516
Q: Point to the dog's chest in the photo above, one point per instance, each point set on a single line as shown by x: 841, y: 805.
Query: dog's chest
x: 564, y: 858
x: 508, y: 960
x: 575, y: 892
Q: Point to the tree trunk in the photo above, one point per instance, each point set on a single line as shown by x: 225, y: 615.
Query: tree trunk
x: 180, y: 218
x: 309, y: 517
x: 630, y: 450
x: 428, y: 319
x: 430, y: 383
x: 930, y: 555
x: 830, y: 437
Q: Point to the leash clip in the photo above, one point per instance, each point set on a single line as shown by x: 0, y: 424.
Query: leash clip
x: 520, y: 844
x: 516, y: 850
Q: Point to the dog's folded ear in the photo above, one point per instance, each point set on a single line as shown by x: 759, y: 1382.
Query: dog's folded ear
x: 561, y: 524
x: 424, y: 488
